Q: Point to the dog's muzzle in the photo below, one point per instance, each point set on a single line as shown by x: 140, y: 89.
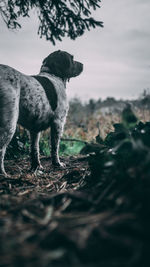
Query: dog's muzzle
x: 78, y: 68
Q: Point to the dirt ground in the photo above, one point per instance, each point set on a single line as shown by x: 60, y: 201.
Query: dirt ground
x: 55, y: 217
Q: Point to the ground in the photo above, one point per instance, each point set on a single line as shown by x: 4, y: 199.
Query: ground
x: 28, y: 201
x: 50, y: 178
x: 83, y: 215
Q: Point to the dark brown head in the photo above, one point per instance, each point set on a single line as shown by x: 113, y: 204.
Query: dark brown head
x: 61, y: 64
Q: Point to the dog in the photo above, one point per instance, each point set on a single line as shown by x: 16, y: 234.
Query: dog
x: 36, y: 103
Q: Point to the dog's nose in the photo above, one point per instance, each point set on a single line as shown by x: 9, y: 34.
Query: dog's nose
x: 81, y: 67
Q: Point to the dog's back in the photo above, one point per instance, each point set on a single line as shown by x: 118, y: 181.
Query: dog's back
x: 33, y: 104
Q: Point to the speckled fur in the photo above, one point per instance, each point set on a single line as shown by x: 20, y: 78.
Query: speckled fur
x: 23, y: 100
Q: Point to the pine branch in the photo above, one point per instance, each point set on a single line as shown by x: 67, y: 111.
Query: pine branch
x: 58, y: 18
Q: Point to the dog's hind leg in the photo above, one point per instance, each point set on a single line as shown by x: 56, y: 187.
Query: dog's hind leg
x: 9, y: 105
x: 35, y: 161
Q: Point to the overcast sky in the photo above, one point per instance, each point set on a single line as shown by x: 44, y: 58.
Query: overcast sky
x: 116, y: 58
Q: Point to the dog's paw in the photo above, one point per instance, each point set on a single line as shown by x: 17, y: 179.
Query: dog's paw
x: 59, y: 164
x: 62, y: 165
x: 3, y: 174
x: 37, y: 170
x: 36, y: 167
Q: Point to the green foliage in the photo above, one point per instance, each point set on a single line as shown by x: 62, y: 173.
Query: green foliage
x: 142, y: 132
x: 44, y: 145
x: 119, y: 134
x: 122, y: 131
x: 57, y: 18
x: 66, y: 147
x: 70, y: 148
x: 129, y: 119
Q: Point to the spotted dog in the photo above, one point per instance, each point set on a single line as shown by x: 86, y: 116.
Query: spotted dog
x: 37, y: 103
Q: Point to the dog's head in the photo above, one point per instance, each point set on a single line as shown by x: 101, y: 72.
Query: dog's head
x: 61, y: 64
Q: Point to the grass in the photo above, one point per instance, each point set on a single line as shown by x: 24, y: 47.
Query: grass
x: 70, y: 148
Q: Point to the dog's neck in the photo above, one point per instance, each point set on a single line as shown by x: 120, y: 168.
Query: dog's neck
x: 45, y: 69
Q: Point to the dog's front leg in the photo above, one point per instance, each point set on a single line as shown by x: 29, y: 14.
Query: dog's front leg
x: 56, y: 131
x: 35, y: 161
